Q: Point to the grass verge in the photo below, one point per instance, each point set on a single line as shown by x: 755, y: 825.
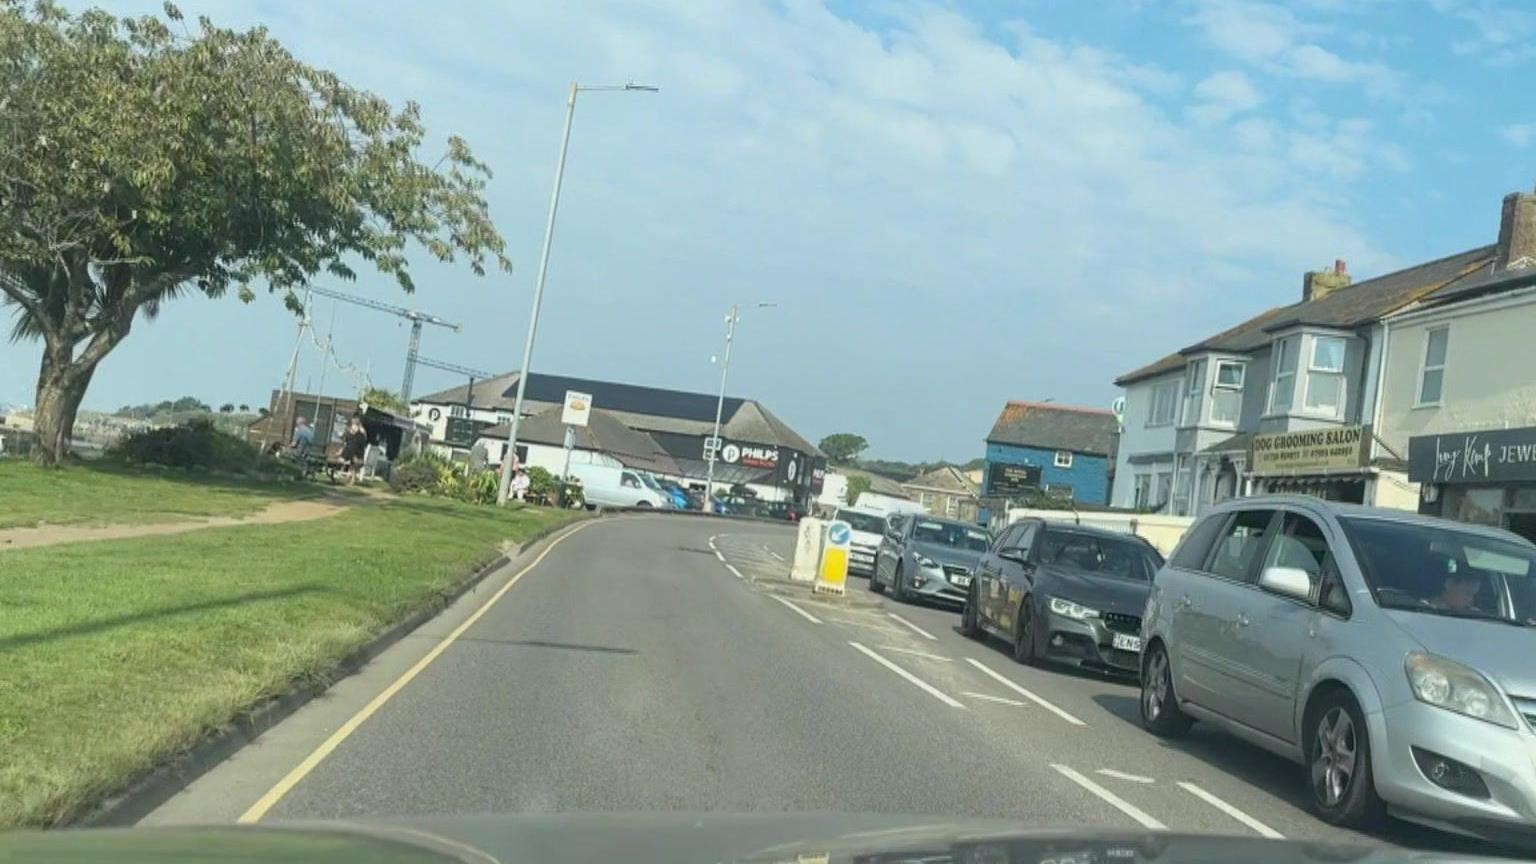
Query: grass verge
x: 115, y: 655
x: 100, y: 494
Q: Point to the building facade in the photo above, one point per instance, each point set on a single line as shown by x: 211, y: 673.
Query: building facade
x: 1041, y: 448
x: 945, y: 491
x: 1307, y: 397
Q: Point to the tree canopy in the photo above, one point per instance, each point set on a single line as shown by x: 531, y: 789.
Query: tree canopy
x: 843, y: 447
x: 142, y: 160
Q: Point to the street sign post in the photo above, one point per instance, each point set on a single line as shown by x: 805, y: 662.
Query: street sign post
x: 832, y: 575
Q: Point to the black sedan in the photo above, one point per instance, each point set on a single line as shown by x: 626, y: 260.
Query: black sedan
x: 1064, y: 592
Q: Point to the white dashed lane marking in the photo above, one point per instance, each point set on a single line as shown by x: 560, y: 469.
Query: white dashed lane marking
x: 998, y: 699
x: 923, y: 654
x: 908, y: 676
x: 913, y: 627
x: 1027, y: 694
x: 1111, y: 799
x: 1258, y: 827
x: 1121, y: 775
x: 798, y: 611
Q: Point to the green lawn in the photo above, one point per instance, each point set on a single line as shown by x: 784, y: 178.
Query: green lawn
x: 97, y: 494
x: 116, y: 654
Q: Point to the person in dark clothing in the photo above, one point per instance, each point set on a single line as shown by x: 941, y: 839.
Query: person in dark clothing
x: 354, y: 443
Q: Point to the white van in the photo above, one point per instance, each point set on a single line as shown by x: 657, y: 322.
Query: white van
x: 608, y: 486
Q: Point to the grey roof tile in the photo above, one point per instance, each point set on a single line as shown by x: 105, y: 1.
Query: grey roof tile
x: 1055, y: 427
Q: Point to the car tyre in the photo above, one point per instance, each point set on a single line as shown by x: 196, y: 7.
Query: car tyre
x: 1024, y: 633
x: 1339, y: 778
x: 644, y: 505
x: 1160, y: 712
x: 875, y: 584
x: 969, y: 626
x: 898, y: 591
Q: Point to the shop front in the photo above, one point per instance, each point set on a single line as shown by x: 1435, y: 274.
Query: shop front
x: 1486, y: 477
x: 1332, y: 463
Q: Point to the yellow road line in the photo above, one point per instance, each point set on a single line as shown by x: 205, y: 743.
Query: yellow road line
x: 300, y: 771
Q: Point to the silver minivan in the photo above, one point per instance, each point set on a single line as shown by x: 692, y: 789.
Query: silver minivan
x: 1392, y: 654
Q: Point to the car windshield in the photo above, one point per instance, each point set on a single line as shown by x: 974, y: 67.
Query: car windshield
x: 1445, y: 570
x: 1103, y: 556
x: 866, y: 522
x: 650, y: 482
x: 951, y: 534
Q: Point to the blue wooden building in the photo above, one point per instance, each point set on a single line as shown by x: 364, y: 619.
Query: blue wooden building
x: 1044, y: 448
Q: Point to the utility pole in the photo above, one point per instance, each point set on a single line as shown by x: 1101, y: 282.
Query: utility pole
x: 725, y: 372
x: 538, y: 291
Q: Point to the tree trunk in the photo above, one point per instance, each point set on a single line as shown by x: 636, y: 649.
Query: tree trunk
x: 61, y: 384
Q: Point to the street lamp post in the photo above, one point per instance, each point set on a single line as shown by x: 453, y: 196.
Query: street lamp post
x: 538, y: 290
x: 725, y: 371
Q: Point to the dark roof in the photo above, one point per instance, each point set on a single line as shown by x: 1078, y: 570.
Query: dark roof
x: 1484, y: 282
x: 1345, y: 308
x: 1367, y: 301
x: 1055, y: 427
x: 604, y: 433
x: 651, y: 409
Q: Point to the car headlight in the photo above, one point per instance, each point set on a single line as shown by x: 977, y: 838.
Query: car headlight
x: 1072, y: 610
x: 924, y: 561
x: 1454, y: 687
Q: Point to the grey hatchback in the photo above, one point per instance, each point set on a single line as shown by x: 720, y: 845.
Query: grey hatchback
x: 1390, y: 653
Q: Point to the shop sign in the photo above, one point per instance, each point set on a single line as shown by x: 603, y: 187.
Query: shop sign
x: 1494, y: 455
x: 1315, y: 451
x: 1005, y: 480
x: 749, y: 455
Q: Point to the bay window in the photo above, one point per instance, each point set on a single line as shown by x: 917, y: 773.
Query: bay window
x: 1432, y: 380
x: 1283, y: 387
x: 1194, y: 385
x: 1227, y: 392
x: 1165, y: 398
x: 1325, y: 375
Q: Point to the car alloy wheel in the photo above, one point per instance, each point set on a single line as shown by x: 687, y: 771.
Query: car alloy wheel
x: 968, y: 622
x: 1160, y: 712
x: 1024, y: 633
x: 1334, y: 757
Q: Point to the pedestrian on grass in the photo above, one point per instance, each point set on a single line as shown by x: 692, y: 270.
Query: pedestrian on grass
x: 354, y: 445
x: 303, y: 437
x: 520, y: 483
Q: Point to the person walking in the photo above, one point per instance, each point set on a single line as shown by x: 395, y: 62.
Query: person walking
x: 303, y: 441
x: 354, y: 445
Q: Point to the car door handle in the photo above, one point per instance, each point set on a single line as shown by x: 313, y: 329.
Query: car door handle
x: 1242, y: 620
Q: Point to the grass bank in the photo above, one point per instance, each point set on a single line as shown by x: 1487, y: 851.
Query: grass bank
x: 115, y: 655
x: 100, y: 494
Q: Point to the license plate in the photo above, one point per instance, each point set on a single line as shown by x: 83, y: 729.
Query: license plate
x: 962, y: 581
x: 1127, y: 642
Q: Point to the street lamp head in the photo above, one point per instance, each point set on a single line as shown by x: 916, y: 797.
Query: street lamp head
x: 647, y: 88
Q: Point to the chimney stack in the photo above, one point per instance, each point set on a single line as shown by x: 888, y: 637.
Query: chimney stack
x: 1317, y: 284
x: 1517, y: 232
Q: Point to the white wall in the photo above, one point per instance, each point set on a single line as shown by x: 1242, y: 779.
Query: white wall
x: 1488, y: 379
x: 420, y: 411
x: 1137, y: 438
x: 1161, y: 531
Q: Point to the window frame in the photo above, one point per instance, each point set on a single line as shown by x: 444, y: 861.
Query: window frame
x: 1217, y: 519
x: 1242, y: 374
x: 1193, y: 392
x: 1251, y: 578
x: 1425, y: 367
x: 1278, y: 353
x: 1058, y: 461
x: 1171, y: 391
x: 1219, y: 390
x: 626, y: 476
x: 458, y: 412
x: 1315, y: 372
x: 1141, y: 490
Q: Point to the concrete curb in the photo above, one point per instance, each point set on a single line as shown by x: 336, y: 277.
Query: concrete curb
x: 156, y: 785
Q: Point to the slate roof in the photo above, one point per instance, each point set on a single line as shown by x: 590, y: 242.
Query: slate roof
x: 604, y: 433
x: 1349, y: 307
x: 877, y: 482
x: 946, y: 478
x: 1055, y: 427
x: 650, y: 409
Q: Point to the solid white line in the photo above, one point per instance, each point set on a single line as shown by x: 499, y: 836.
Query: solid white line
x: 916, y: 681
x: 1259, y: 827
x: 998, y: 699
x: 734, y: 571
x: 1112, y: 799
x: 798, y: 611
x: 915, y: 653
x: 1121, y: 775
x: 712, y: 540
x: 1026, y: 694
x: 913, y: 627
x: 718, y: 555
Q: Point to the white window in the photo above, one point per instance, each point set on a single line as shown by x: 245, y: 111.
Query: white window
x: 1227, y: 392
x: 951, y: 505
x: 1063, y: 459
x: 1161, y: 490
x: 1325, y: 375
x: 1432, y: 382
x: 503, y: 416
x: 1181, y: 492
x: 926, y: 499
x: 1143, y: 494
x: 457, y: 411
x: 1165, y: 398
x: 1283, y: 387
x: 1194, y: 384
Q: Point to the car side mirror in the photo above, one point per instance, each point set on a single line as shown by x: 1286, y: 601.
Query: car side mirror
x: 1292, y: 582
x: 1014, y: 554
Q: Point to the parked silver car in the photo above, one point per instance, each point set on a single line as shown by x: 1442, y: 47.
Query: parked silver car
x: 1392, y: 654
x: 924, y: 557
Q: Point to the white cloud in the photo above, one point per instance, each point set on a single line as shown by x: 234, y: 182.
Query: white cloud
x: 1502, y: 33
x: 1519, y: 134
x: 961, y: 191
x: 1223, y: 95
x: 1274, y: 39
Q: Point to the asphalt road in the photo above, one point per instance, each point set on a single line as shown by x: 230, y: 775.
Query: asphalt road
x: 657, y: 664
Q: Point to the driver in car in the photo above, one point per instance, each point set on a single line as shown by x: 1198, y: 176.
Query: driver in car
x: 1458, y: 593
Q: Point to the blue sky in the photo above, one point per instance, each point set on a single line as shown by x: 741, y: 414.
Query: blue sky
x: 951, y: 204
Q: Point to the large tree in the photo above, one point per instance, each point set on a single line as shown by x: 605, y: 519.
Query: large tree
x: 843, y: 447
x: 142, y: 160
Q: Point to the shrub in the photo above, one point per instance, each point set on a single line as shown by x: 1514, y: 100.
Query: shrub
x: 195, y: 444
x: 415, y: 475
x: 483, y: 488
